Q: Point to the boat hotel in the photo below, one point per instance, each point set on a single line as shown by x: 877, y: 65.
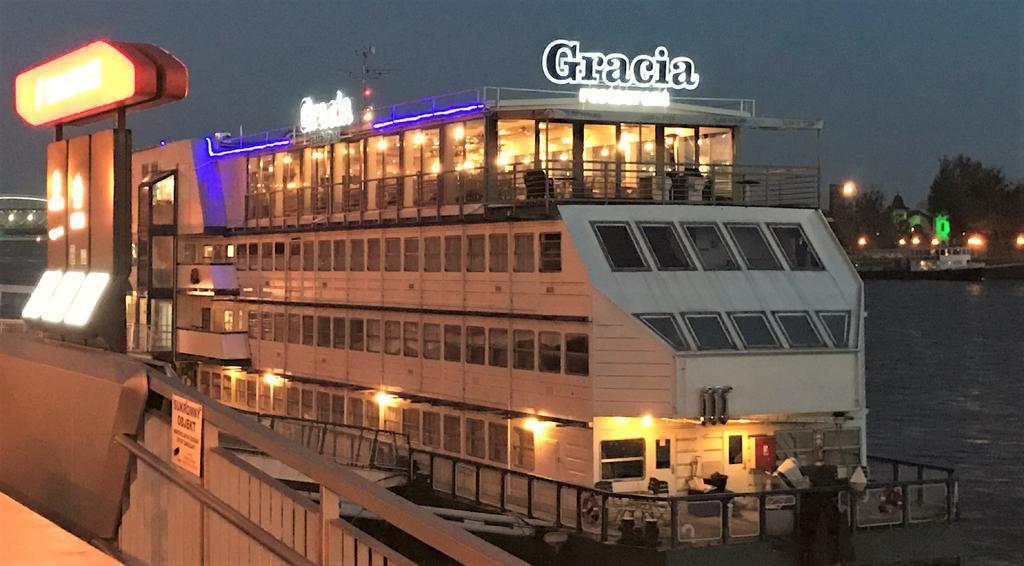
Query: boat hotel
x: 550, y: 288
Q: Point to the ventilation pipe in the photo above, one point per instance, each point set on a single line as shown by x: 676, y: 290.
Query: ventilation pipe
x: 722, y: 404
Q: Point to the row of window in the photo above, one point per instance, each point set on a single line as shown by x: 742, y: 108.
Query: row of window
x: 548, y: 352
x: 706, y: 241
x: 473, y: 253
x: 710, y: 331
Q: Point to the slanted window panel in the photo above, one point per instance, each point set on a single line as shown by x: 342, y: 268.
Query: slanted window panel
x: 280, y: 327
x: 267, y: 256
x: 753, y: 247
x: 664, y: 245
x: 323, y: 406
x: 254, y: 324
x: 293, y: 394
x: 411, y: 424
x: 294, y: 328
x: 308, y: 257
x: 254, y: 257
x: 373, y: 254
x: 267, y: 326
x: 577, y: 354
x: 709, y: 332
x: 523, y: 453
x: 498, y: 244
x: 392, y: 337
x: 710, y: 247
x: 356, y: 337
x: 665, y: 326
x: 497, y: 442
x: 453, y: 253
x: 754, y: 330
x: 550, y: 352
x: 373, y: 335
x: 337, y: 409
x: 475, y: 345
x: 523, y: 244
x: 431, y: 341
x: 242, y: 259
x: 799, y: 330
x: 412, y: 254
x: 323, y: 255
x: 551, y: 252
x: 452, y: 433
x: 294, y: 256
x: 498, y: 350
x: 620, y: 247
x: 476, y: 438
x: 838, y: 326
x: 432, y: 255
x: 796, y: 247
x: 356, y: 255
x: 525, y: 349
x: 393, y: 254
x: 307, y: 330
x: 339, y: 255
x: 338, y: 338
x: 371, y: 414
x: 411, y: 339
x: 475, y: 253
x: 622, y: 459
x: 355, y: 411
x: 452, y: 343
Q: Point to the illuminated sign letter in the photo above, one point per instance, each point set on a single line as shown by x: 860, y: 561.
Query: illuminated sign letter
x: 315, y: 116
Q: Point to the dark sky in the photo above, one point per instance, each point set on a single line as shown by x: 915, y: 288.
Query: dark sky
x: 898, y: 83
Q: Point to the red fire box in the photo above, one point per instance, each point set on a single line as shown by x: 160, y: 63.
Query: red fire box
x: 764, y: 453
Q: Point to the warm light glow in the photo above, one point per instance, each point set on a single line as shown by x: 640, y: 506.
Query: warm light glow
x: 604, y: 152
x: 902, y: 241
x: 56, y: 233
x: 77, y: 220
x: 286, y: 159
x: 862, y: 241
x: 563, y: 156
x: 368, y: 116
x: 292, y: 185
x: 382, y: 144
x: 915, y: 240
x: 647, y: 420
x: 849, y: 189
x: 87, y: 298
x: 273, y: 380
x: 385, y: 399
x: 502, y: 160
x: 649, y: 147
x: 417, y: 138
x: 536, y: 426
x: 56, y: 202
x: 935, y: 241
x: 976, y: 241
x: 10, y: 217
x: 436, y: 167
x: 318, y: 155
x: 1020, y: 241
x: 77, y: 192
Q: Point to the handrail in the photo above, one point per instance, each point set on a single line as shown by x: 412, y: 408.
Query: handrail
x: 404, y: 515
x: 209, y: 500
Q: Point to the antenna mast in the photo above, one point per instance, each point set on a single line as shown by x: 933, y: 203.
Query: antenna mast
x: 364, y: 76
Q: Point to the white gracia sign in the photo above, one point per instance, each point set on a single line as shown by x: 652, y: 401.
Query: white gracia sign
x: 335, y: 113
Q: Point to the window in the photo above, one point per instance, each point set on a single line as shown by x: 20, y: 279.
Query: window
x: 452, y: 433
x: 393, y: 254
x: 799, y: 444
x: 254, y: 324
x: 523, y: 454
x: 663, y: 243
x: 754, y: 330
x: 371, y: 414
x: 294, y: 256
x: 268, y: 326
x: 753, y: 247
x: 840, y: 447
x: 337, y: 409
x: 308, y: 257
x: 356, y: 339
x: 551, y: 252
x: 709, y: 332
x: 373, y: 254
x: 524, y: 349
x: 391, y: 421
x: 242, y: 260
x: 838, y: 326
x: 372, y: 335
x: 577, y: 354
x: 280, y: 327
x: 665, y: 326
x: 412, y: 254
x: 323, y: 255
x: 250, y: 393
x: 411, y: 339
x: 338, y: 338
x: 453, y: 253
x: 307, y: 330
x: 431, y: 341
x: 293, y: 402
x: 432, y: 429
x: 498, y: 244
x: 254, y: 257
x: 323, y: 331
x: 799, y: 330
x: 735, y: 449
x: 452, y: 343
x: 294, y: 328
x: 622, y: 459
x: 356, y: 256
x: 226, y: 394
x: 411, y: 424
x: 393, y: 337
x: 550, y: 352
x: 323, y: 406
x: 523, y: 244
x: 663, y: 454
x: 264, y: 396
x: 497, y: 442
x: 619, y: 247
x: 280, y: 259
x: 497, y: 338
x: 476, y: 438
x: 475, y: 253
x: 267, y: 256
x: 339, y: 255
x: 711, y: 249
x: 796, y: 247
x: 476, y: 350
x: 215, y: 391
x: 355, y: 411
x: 432, y: 254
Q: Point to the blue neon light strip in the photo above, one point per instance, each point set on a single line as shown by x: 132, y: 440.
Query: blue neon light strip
x: 221, y: 153
x: 453, y: 111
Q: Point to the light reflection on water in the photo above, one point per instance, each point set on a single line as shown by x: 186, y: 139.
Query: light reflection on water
x: 945, y: 364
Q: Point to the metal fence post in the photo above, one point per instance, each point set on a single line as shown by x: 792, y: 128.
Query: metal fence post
x: 673, y: 508
x: 762, y: 516
x: 725, y: 507
x: 604, y: 517
x: 558, y: 505
x: 529, y: 496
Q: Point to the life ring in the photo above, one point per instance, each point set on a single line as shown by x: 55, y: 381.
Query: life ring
x: 687, y: 531
x: 590, y: 509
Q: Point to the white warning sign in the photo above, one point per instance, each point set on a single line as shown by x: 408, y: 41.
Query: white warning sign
x: 187, y: 434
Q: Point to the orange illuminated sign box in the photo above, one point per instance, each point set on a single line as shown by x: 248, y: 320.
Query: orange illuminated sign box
x: 96, y: 79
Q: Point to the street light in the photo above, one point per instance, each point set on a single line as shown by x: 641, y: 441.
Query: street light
x: 862, y: 241
x: 849, y: 189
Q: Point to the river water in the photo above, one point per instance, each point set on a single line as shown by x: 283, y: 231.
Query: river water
x: 945, y: 385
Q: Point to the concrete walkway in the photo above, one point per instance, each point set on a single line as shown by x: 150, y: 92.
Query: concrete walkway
x: 29, y: 538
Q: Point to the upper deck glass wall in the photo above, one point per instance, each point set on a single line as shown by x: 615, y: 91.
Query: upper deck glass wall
x: 453, y: 167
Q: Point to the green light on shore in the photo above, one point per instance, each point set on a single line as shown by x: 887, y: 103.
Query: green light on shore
x: 942, y: 227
